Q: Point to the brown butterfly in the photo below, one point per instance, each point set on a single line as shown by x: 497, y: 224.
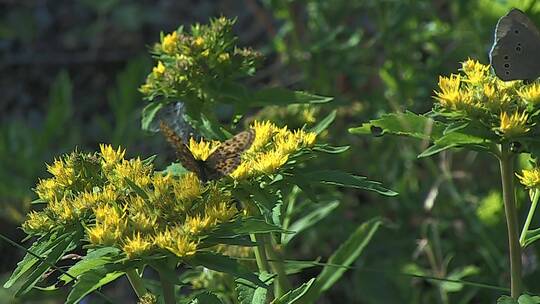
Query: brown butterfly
x: 221, y: 162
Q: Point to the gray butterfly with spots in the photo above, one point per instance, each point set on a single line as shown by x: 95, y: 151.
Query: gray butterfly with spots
x: 515, y: 54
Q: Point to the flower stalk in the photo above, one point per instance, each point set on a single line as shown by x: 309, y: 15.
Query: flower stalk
x: 530, y: 215
x: 507, y: 175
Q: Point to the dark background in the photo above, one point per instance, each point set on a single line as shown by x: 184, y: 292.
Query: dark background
x: 69, y: 77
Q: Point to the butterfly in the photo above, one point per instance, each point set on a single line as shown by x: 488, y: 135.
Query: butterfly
x: 224, y: 160
x: 515, y: 54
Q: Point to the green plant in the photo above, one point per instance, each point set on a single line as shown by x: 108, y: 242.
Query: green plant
x: 123, y: 216
x: 475, y: 110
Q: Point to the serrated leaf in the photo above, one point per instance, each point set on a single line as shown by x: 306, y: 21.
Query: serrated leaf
x: 92, y: 280
x: 60, y: 247
x: 296, y: 296
x: 39, y: 247
x: 344, y: 256
x: 225, y: 264
x: 248, y: 294
x: 309, y: 220
x: 282, y: 96
x: 95, y: 258
x: 405, y: 124
x: 343, y: 179
x: 324, y: 123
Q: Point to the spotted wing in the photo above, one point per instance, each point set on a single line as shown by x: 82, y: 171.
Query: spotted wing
x: 226, y: 158
x: 183, y: 154
x: 515, y: 55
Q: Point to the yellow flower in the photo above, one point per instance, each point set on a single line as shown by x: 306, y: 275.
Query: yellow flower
x: 199, y: 41
x: 103, y: 235
x: 221, y: 212
x: 136, y: 246
x: 223, y: 57
x: 187, y: 188
x: 198, y: 224
x: 143, y: 221
x: 243, y: 171
x: 530, y: 93
x: 63, y: 172
x: 530, y: 178
x: 134, y: 170
x: 202, y: 149
x: 63, y: 210
x: 286, y: 142
x: 449, y: 94
x: 159, y: 69
x: 37, y: 222
x: 110, y: 156
x: 48, y: 189
x: 475, y: 71
x: 175, y: 241
x: 513, y: 125
x: 306, y: 139
x: 109, y: 216
x: 263, y: 134
x: 270, y: 162
x: 169, y: 43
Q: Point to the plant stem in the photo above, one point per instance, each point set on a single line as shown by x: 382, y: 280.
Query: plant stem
x: 282, y: 285
x: 136, y: 282
x: 168, y: 289
x: 260, y: 254
x: 507, y: 179
x: 530, y: 215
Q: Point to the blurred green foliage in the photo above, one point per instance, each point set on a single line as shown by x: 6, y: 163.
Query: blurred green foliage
x: 373, y: 56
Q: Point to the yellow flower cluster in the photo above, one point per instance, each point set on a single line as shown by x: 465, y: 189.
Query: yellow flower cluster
x: 477, y: 93
x: 189, y: 62
x: 124, y: 203
x: 270, y: 150
x: 530, y: 178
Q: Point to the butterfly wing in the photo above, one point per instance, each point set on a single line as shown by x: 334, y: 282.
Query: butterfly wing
x: 183, y: 154
x: 515, y: 55
x: 226, y: 158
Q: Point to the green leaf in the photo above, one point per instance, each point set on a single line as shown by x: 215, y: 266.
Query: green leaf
x: 92, y: 280
x: 323, y: 124
x: 456, y: 275
x: 527, y: 299
x: 206, y: 298
x: 39, y: 247
x: 344, y: 256
x: 330, y: 149
x: 94, y: 259
x: 248, y: 294
x: 506, y: 300
x: 343, y: 179
x: 148, y: 114
x: 244, y: 226
x: 405, y: 124
x: 222, y: 263
x: 175, y: 169
x: 455, y: 139
x: 296, y: 295
x: 281, y: 96
x: 60, y: 246
x: 309, y: 220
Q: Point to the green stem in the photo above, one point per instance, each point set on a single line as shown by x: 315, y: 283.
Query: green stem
x: 530, y: 215
x: 136, y: 282
x: 507, y: 178
x: 260, y: 254
x: 282, y: 285
x: 168, y: 289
